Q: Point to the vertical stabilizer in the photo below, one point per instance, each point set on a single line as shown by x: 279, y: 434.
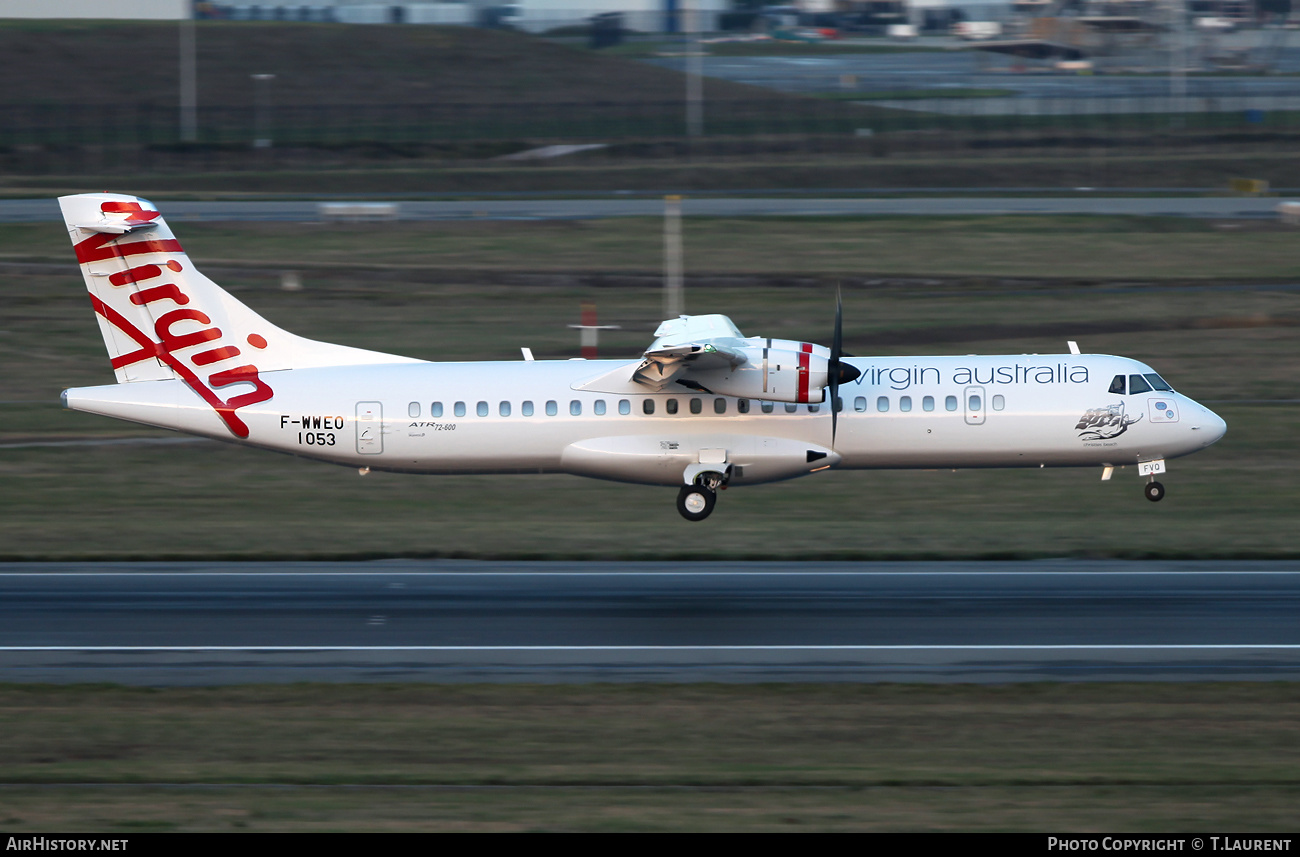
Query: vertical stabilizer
x: 162, y: 319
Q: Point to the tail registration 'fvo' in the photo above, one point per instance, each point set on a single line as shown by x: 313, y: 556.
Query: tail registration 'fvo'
x: 704, y: 408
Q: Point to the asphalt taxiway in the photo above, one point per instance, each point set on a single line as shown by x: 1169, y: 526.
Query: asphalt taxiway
x: 542, y: 208
x: 406, y: 620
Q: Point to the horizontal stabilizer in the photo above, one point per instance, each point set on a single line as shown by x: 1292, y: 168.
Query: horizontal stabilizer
x: 120, y: 228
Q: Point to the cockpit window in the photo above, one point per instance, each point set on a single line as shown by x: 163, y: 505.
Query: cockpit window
x: 1118, y: 385
x: 1158, y: 383
x: 1138, y: 384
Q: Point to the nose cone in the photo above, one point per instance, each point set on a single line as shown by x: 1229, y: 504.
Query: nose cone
x: 1210, y: 426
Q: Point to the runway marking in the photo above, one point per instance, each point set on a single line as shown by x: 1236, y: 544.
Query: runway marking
x: 1048, y: 574
x: 706, y: 648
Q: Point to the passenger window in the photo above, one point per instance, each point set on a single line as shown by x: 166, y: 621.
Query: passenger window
x: 927, y: 404
x: 882, y: 403
x: 742, y: 406
x: 504, y: 409
x: 767, y: 407
x: 860, y: 404
x: 413, y: 410
x: 1117, y: 386
x: 1158, y: 383
x: 599, y: 407
x: 670, y: 406
x: 526, y: 409
x: 575, y: 408
x: 719, y: 406
x: 648, y: 406
x: 551, y: 408
x: 1138, y: 384
x: 481, y: 409
x: 790, y: 409
x: 974, y: 403
x: 624, y: 407
x: 905, y: 403
x: 950, y: 403
x: 839, y: 404
x: 999, y: 402
x: 812, y: 409
x: 697, y: 406
x: 435, y: 410
x: 460, y: 409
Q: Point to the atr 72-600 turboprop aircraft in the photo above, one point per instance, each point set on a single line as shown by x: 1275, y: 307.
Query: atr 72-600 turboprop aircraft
x: 704, y: 408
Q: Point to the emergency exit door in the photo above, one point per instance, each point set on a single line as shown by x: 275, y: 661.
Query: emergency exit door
x: 976, y: 405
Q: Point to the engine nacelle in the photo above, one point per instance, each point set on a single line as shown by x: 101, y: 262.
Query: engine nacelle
x: 777, y: 370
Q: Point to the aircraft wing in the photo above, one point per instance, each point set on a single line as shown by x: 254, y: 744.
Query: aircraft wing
x: 697, y: 343
x: 660, y: 366
x: 687, y: 344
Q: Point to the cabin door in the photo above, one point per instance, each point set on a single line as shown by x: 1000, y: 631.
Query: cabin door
x: 370, y: 428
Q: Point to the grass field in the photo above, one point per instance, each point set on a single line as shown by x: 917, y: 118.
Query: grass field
x: 1051, y: 758
x: 1175, y: 293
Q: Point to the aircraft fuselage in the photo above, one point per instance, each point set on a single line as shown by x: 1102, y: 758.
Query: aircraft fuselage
x: 526, y: 417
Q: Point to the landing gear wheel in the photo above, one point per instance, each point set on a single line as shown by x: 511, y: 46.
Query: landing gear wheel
x: 695, y: 502
x: 1155, y: 491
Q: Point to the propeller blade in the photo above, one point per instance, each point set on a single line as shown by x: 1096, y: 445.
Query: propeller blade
x: 837, y: 343
x: 838, y: 372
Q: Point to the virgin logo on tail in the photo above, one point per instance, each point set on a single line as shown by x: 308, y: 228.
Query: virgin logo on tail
x: 166, y: 342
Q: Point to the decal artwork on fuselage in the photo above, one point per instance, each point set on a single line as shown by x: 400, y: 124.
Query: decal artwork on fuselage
x: 1105, y: 423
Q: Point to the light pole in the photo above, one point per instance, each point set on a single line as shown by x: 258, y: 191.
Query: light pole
x: 674, y: 299
x: 189, y: 96
x: 1178, y: 62
x: 694, y: 72
x: 262, y: 110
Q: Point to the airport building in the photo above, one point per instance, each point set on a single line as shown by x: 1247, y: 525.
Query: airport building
x: 534, y: 16
x: 147, y: 10
x: 531, y: 15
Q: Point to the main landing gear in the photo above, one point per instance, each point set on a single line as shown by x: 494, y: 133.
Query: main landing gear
x: 697, y: 500
x: 1155, y: 491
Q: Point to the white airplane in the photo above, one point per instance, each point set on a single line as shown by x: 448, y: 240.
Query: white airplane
x: 705, y: 408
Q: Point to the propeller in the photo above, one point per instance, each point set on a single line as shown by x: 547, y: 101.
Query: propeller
x: 837, y: 371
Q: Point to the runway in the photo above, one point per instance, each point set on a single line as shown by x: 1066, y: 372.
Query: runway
x: 218, y: 623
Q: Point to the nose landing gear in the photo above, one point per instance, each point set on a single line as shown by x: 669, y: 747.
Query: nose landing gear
x: 1155, y: 491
